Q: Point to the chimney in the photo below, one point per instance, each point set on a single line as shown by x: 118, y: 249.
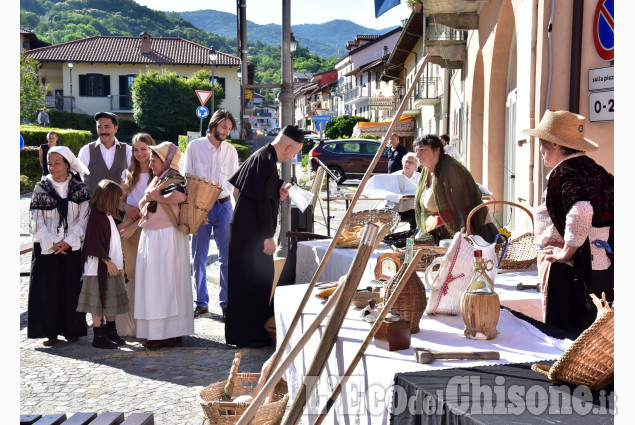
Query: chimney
x: 146, y: 49
x: 385, y: 52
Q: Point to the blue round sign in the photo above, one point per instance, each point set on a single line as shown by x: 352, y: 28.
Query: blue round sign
x: 604, y: 29
x: 202, y: 112
x: 21, y: 142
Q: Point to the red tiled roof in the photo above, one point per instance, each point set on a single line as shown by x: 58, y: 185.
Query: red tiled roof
x: 110, y: 49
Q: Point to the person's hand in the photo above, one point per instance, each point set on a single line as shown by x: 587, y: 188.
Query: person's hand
x: 557, y: 254
x: 153, y: 195
x: 131, y: 212
x: 205, y: 221
x: 61, y: 247
x: 270, y: 246
x: 128, y: 231
x: 112, y: 268
x: 284, y: 191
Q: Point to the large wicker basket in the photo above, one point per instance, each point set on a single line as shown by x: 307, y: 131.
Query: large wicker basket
x: 590, y: 360
x: 362, y: 218
x: 219, y: 410
x: 521, y: 252
x: 429, y: 254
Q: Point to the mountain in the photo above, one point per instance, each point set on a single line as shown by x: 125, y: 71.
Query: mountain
x: 325, y: 40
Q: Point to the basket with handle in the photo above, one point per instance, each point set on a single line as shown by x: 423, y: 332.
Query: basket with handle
x: 362, y: 218
x: 216, y: 399
x: 522, y: 251
x: 590, y: 360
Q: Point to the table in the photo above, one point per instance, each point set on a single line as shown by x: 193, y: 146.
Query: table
x: 367, y: 397
x: 348, y: 198
x: 310, y: 253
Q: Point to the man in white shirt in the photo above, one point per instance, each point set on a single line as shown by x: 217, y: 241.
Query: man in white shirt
x: 212, y: 158
x: 106, y: 157
x: 449, y: 149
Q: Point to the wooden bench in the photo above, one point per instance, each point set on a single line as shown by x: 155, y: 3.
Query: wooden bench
x: 106, y: 418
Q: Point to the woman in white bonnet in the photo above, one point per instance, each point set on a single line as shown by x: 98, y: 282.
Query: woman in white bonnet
x: 59, y: 211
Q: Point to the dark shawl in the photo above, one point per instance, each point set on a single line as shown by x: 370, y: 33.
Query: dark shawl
x: 257, y: 178
x: 581, y: 179
x: 172, y: 181
x: 455, y: 194
x: 97, y: 244
x: 46, y: 198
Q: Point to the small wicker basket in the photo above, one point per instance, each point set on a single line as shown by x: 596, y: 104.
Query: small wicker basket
x: 362, y: 218
x: 590, y: 360
x: 411, y: 302
x: 219, y: 410
x: 521, y: 252
x: 430, y: 252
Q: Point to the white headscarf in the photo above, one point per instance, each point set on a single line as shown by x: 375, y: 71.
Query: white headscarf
x: 76, y: 165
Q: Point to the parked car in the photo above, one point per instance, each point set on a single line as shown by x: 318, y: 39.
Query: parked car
x: 348, y: 158
x: 273, y: 132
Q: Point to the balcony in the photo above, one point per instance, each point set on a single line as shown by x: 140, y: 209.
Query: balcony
x: 120, y: 103
x: 446, y: 46
x: 428, y: 91
x: 459, y: 14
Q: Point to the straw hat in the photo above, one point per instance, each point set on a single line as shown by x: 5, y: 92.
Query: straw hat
x: 563, y: 128
x: 162, y: 151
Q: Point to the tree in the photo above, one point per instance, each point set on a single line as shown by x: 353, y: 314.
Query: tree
x: 342, y: 127
x: 164, y: 103
x: 32, y: 93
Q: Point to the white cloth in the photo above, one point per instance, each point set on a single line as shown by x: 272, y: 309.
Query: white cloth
x: 204, y: 160
x: 107, y: 154
x: 76, y: 165
x: 43, y: 224
x: 404, y: 204
x: 163, y: 289
x: 114, y: 252
x: 134, y: 197
x: 453, y: 152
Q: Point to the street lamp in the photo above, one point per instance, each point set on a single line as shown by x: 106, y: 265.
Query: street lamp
x: 293, y: 44
x: 212, y: 59
x: 239, y: 74
x: 70, y: 68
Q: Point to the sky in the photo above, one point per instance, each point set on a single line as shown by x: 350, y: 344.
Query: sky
x: 263, y: 12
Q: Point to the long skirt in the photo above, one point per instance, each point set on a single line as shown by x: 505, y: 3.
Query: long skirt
x: 116, y: 301
x: 163, y: 287
x: 126, y: 323
x: 54, y: 288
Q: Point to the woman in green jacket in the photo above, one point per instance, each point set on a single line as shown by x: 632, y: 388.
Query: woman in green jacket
x: 446, y: 194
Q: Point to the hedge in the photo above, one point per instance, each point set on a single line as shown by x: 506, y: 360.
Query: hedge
x: 30, y: 164
x: 127, y: 128
x: 34, y: 135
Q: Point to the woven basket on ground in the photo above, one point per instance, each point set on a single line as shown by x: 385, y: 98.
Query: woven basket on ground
x: 590, y: 360
x: 362, y: 218
x: 202, y: 194
x: 220, y: 410
x: 521, y: 252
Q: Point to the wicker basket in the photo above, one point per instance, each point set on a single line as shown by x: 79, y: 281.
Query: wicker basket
x: 218, y: 410
x: 429, y: 254
x: 362, y: 218
x: 411, y: 302
x: 590, y: 360
x: 521, y: 252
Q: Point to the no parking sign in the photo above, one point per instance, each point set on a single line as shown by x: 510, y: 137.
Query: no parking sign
x: 604, y: 30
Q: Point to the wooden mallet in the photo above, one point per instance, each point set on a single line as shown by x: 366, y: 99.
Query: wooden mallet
x: 425, y: 356
x: 521, y: 286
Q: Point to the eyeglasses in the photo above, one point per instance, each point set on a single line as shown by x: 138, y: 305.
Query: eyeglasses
x: 411, y: 162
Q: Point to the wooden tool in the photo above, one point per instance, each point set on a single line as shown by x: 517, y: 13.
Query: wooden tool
x: 521, y: 286
x: 425, y: 356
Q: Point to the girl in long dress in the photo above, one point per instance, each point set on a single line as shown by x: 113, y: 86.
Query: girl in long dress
x: 134, y: 182
x: 163, y: 294
x: 59, y: 211
x: 103, y: 290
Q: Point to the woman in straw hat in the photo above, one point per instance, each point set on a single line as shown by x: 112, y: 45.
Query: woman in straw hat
x: 574, y: 226
x: 59, y: 212
x: 163, y: 290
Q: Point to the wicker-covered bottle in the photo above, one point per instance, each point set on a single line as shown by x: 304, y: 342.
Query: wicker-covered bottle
x: 412, y: 300
x: 480, y: 305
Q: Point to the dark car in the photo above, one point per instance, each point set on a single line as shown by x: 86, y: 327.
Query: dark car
x: 348, y: 158
x: 273, y: 132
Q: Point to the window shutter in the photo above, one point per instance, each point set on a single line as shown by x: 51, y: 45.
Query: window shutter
x: 106, y: 85
x: 82, y: 85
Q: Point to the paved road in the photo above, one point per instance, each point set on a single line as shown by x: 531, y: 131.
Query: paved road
x: 75, y: 377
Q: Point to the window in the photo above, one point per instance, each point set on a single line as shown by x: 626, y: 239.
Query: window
x: 331, y: 147
x: 371, y: 148
x: 221, y: 82
x: 94, y: 85
x: 350, y: 148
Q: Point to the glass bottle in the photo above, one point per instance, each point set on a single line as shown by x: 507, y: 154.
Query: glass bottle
x: 421, y: 234
x: 481, y: 282
x: 409, y: 251
x: 332, y: 188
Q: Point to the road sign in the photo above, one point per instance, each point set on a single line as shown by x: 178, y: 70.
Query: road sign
x: 253, y: 120
x: 21, y: 142
x: 601, y: 106
x: 317, y: 118
x: 601, y: 78
x: 320, y: 125
x: 604, y: 29
x: 202, y: 112
x: 203, y: 95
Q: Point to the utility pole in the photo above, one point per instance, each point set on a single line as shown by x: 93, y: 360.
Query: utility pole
x: 242, y: 53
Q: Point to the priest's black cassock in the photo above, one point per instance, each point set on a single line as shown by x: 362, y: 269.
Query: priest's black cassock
x: 250, y: 270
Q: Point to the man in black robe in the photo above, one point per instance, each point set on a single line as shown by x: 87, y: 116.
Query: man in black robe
x: 251, y: 243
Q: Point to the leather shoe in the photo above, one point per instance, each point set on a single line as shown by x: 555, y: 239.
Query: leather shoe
x: 200, y: 310
x: 160, y: 343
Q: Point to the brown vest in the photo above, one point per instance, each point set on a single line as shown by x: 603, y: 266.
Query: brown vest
x: 98, y: 169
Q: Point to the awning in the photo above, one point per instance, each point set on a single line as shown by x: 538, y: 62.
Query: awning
x: 405, y: 127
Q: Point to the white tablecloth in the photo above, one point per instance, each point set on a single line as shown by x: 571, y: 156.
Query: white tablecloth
x: 367, y: 396
x: 310, y: 253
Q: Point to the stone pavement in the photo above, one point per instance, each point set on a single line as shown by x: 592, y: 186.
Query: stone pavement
x: 75, y: 377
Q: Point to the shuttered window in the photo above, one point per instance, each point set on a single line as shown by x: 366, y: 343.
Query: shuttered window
x: 94, y: 85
